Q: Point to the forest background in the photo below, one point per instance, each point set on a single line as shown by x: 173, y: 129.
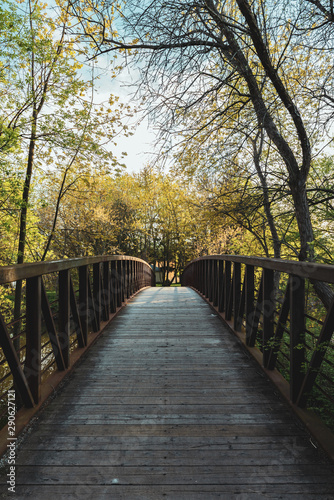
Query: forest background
x: 241, y: 94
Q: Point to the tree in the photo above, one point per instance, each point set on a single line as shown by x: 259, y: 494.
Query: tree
x: 203, y: 46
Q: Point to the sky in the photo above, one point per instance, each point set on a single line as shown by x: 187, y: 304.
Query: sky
x: 140, y: 146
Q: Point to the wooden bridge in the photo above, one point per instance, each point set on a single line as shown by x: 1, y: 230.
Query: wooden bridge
x: 167, y: 402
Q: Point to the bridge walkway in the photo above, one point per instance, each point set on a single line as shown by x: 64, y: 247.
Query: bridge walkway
x: 167, y: 404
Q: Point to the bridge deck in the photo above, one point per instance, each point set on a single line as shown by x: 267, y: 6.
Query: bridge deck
x: 167, y: 405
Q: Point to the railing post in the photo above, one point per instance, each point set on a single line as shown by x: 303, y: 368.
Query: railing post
x: 32, y: 367
x: 297, y: 335
x: 200, y: 276
x: 113, y: 287
x: 203, y: 284
x: 249, y: 301
x: 131, y: 277
x: 215, y: 283
x: 97, y: 293
x: 83, y: 301
x: 194, y: 267
x: 236, y: 293
x: 127, y: 278
x: 205, y: 278
x: 13, y: 361
x: 227, y: 289
x: 241, y: 309
x: 221, y: 298
x: 106, y: 290
x: 268, y: 307
x: 211, y: 286
x: 64, y: 315
x: 121, y: 280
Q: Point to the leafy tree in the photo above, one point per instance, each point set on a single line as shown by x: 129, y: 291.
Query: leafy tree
x: 191, y: 51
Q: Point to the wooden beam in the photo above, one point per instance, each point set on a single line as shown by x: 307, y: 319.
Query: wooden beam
x: 32, y: 365
x: 15, y: 366
x: 64, y: 315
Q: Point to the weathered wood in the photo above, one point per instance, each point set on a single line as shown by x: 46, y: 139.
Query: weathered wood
x: 92, y: 308
x: 97, y: 294
x: 314, y: 271
x: 32, y: 365
x: 83, y: 301
x: 51, y: 329
x: 227, y: 291
x: 64, y: 315
x: 175, y: 411
x: 221, y: 290
x: 106, y: 291
x: 114, y: 296
x: 121, y: 280
x: 29, y: 270
x: 236, y: 293
x: 14, y: 365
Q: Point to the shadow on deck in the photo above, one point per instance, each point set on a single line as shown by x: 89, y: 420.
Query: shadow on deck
x: 167, y: 404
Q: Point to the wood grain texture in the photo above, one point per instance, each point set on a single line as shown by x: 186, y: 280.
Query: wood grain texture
x: 167, y: 405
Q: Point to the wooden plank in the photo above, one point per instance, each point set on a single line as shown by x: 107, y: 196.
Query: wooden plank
x: 194, y: 492
x: 18, y: 272
x: 320, y: 272
x: 32, y: 365
x: 176, y: 412
x: 209, y: 474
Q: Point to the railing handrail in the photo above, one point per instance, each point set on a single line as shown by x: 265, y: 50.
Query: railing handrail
x: 309, y: 270
x: 86, y: 302
x: 17, y: 272
x: 267, y: 311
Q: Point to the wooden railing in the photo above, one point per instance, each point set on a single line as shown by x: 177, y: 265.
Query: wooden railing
x: 64, y: 303
x: 272, y: 304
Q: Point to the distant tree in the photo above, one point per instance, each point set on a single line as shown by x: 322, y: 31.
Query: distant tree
x: 190, y: 51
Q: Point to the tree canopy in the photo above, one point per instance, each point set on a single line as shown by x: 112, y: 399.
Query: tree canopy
x: 242, y: 93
